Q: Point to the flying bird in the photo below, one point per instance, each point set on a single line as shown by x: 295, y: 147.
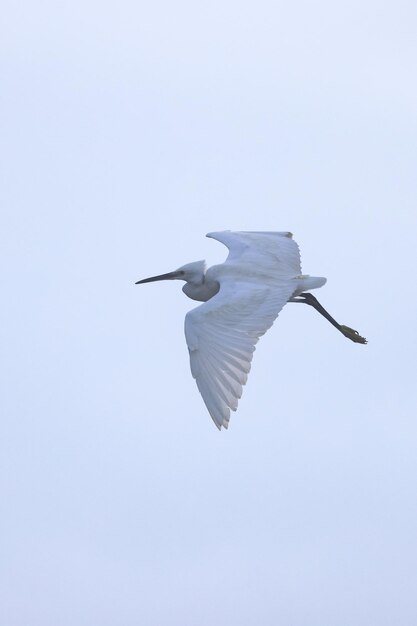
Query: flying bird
x: 242, y: 297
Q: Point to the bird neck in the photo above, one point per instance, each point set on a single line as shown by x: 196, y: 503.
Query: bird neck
x: 202, y: 291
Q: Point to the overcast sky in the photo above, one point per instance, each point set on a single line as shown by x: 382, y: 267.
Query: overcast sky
x: 128, y: 131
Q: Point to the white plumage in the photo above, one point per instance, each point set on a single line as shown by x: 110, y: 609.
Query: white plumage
x: 242, y: 298
x: 261, y: 273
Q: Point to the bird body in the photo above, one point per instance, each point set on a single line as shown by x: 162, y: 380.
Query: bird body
x: 241, y: 299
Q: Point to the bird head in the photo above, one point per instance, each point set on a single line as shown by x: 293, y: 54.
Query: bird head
x: 191, y: 273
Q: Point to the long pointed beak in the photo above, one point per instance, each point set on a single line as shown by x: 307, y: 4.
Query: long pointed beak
x: 169, y: 276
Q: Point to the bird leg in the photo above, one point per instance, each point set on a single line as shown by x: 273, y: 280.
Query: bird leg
x: 308, y: 298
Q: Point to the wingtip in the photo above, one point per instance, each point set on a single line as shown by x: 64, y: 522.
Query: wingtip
x: 212, y: 234
x: 221, y: 424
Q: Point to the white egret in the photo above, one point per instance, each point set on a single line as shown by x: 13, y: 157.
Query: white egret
x: 242, y: 298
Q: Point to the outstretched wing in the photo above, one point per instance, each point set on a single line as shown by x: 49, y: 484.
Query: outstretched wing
x: 221, y: 335
x: 262, y: 249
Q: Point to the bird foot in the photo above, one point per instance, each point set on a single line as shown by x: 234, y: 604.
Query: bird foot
x: 351, y: 334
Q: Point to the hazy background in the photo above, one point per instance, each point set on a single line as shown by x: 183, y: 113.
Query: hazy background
x: 128, y: 131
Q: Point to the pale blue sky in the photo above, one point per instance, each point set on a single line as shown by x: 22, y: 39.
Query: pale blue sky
x: 128, y: 131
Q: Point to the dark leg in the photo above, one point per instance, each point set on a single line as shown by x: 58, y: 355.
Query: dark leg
x: 308, y: 298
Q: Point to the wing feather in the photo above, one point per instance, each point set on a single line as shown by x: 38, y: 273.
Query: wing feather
x: 221, y: 336
x: 280, y: 247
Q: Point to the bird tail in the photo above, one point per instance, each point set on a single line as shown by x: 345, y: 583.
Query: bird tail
x: 306, y: 283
